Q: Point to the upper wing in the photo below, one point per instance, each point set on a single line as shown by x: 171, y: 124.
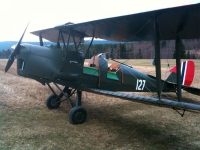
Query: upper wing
x: 51, y: 34
x: 184, y: 20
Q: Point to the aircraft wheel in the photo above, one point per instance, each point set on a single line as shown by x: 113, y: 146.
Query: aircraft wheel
x: 51, y: 102
x: 77, y: 115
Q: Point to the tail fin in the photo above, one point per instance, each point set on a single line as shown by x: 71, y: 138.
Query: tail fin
x: 187, y: 73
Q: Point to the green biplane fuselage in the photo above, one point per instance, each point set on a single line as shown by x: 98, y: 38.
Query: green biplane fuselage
x: 49, y: 65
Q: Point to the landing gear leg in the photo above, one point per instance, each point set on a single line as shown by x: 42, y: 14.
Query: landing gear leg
x: 78, y: 98
x: 54, y: 100
x: 77, y: 114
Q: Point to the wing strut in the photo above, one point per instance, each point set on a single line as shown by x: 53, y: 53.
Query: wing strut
x: 58, y: 41
x: 178, y: 66
x: 89, y: 48
x: 41, y: 41
x: 157, y: 57
x: 66, y: 47
x: 74, y: 40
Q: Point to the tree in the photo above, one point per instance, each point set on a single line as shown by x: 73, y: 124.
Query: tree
x: 123, y: 54
x: 182, y: 51
x: 193, y: 56
x: 188, y: 54
x: 163, y: 43
x: 139, y: 56
x: 112, y: 53
x: 1, y: 54
x: 8, y: 52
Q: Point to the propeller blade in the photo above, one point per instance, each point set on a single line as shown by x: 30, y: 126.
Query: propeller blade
x: 14, y: 53
x: 10, y: 62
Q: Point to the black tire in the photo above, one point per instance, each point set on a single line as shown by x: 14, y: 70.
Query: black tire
x: 77, y: 115
x: 51, y: 103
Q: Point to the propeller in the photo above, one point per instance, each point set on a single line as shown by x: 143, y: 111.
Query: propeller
x: 14, y: 53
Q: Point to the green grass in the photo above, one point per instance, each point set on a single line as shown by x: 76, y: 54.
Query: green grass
x: 109, y: 126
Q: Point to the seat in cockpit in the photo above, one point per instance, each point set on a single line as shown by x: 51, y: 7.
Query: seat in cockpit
x: 94, y: 62
x: 113, y: 67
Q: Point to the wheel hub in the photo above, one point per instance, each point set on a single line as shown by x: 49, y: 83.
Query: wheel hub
x: 79, y: 116
x: 53, y: 102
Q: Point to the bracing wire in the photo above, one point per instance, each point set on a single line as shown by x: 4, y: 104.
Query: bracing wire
x: 141, y: 52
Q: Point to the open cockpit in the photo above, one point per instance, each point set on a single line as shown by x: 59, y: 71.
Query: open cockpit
x: 98, y: 65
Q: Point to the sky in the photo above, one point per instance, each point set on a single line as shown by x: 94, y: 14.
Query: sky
x: 15, y: 14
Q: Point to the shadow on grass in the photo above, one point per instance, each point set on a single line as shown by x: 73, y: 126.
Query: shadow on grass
x: 124, y: 128
x: 139, y: 131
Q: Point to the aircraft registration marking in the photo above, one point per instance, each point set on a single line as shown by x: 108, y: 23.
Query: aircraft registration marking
x: 140, y: 84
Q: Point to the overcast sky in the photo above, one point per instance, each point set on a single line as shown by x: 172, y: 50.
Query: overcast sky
x: 15, y: 14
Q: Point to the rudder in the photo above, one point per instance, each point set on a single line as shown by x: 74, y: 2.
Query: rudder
x: 187, y: 73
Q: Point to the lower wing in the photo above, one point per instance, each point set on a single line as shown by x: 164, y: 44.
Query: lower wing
x: 150, y: 100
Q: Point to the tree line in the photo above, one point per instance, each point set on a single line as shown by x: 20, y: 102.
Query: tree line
x: 190, y: 49
x: 5, y: 53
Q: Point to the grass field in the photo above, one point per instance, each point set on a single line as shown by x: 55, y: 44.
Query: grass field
x: 26, y: 123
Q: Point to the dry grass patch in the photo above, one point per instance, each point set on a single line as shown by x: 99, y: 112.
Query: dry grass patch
x: 26, y: 123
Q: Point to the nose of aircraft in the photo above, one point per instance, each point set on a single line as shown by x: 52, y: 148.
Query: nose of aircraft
x: 14, y: 53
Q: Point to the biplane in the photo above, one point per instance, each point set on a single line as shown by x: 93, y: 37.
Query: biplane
x: 62, y: 66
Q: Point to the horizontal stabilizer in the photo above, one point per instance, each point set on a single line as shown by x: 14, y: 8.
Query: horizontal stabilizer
x: 150, y: 100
